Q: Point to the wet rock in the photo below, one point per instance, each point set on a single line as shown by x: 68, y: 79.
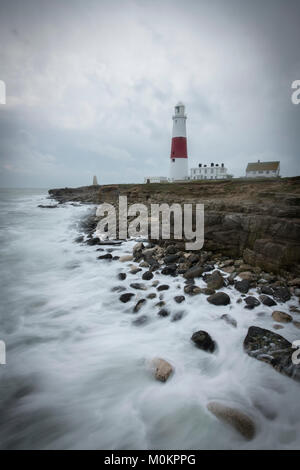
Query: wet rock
x: 139, y: 305
x: 193, y: 272
x: 163, y: 312
x: 191, y: 289
x: 281, y: 317
x: 163, y: 369
x: 52, y: 206
x: 177, y: 316
x: 147, y: 276
x: 93, y: 241
x: 239, y: 300
x: 294, y: 309
x: 125, y: 258
x: 219, y: 298
x: 155, y: 283
x: 106, y: 256
x: 229, y: 269
x: 296, y: 324
x: 266, y: 300
x: 135, y: 270
x: 229, y: 319
x: 126, y: 297
x: 247, y: 276
x: 160, y: 304
x: 251, y: 302
x: 277, y: 326
x: 143, y: 264
x: 179, y: 298
x: 151, y: 296
x: 242, y: 286
x: 208, y: 267
x: 215, y: 280
x: 142, y: 320
x: 169, y: 270
x: 281, y: 293
x: 170, y: 259
x: 79, y: 239
x: 122, y: 276
x: 138, y: 248
x: 115, y: 258
x: 266, y: 290
x: 237, y: 419
x: 171, y: 250
x: 207, y: 291
x: 273, y: 349
x: 203, y: 341
x: 118, y: 289
x: 138, y: 286
x: 163, y: 287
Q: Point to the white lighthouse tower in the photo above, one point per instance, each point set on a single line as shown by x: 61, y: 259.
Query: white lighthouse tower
x: 179, y: 157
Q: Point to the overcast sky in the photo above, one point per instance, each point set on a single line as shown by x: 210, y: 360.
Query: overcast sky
x: 91, y: 87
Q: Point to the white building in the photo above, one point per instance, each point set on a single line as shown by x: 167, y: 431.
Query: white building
x: 179, y: 156
x: 209, y: 172
x: 263, y: 170
x: 155, y: 179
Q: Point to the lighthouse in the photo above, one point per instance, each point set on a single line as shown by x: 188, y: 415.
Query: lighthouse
x: 179, y: 157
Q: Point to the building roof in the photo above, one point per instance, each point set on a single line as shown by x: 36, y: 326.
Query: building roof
x: 262, y: 166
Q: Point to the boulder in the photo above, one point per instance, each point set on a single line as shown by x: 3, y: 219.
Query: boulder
x: 179, y: 298
x: 122, y: 276
x: 281, y: 317
x: 163, y: 312
x: 139, y: 305
x: 138, y: 286
x: 163, y: 369
x: 269, y: 347
x: 147, y: 276
x: 267, y: 290
x: 195, y: 271
x: 106, y: 256
x: 170, y: 259
x: 242, y: 286
x: 203, y: 341
x: 251, y: 302
x: 163, y: 287
x: 169, y: 270
x: 135, y: 270
x: 282, y: 293
x: 152, y: 295
x: 215, y: 280
x: 219, y: 298
x: 125, y: 258
x: 266, y: 300
x: 138, y: 248
x: 237, y: 419
x: 191, y: 289
x: 126, y: 297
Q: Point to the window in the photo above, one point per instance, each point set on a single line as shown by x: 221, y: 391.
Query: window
x: 177, y: 109
x: 260, y: 172
x: 173, y: 159
x: 267, y: 172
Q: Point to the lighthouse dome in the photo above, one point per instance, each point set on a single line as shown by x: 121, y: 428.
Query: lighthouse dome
x: 180, y: 103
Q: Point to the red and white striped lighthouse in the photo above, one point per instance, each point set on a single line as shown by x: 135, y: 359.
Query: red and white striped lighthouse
x: 179, y: 157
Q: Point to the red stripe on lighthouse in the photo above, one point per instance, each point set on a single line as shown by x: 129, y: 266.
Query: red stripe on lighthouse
x: 179, y: 147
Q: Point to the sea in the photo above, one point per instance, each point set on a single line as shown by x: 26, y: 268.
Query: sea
x: 78, y: 369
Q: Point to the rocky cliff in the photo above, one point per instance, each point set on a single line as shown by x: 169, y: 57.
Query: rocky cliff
x: 258, y: 220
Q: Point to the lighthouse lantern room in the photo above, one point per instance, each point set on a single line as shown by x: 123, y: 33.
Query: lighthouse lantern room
x: 179, y: 157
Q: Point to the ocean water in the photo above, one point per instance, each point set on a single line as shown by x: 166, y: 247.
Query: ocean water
x: 77, y: 374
